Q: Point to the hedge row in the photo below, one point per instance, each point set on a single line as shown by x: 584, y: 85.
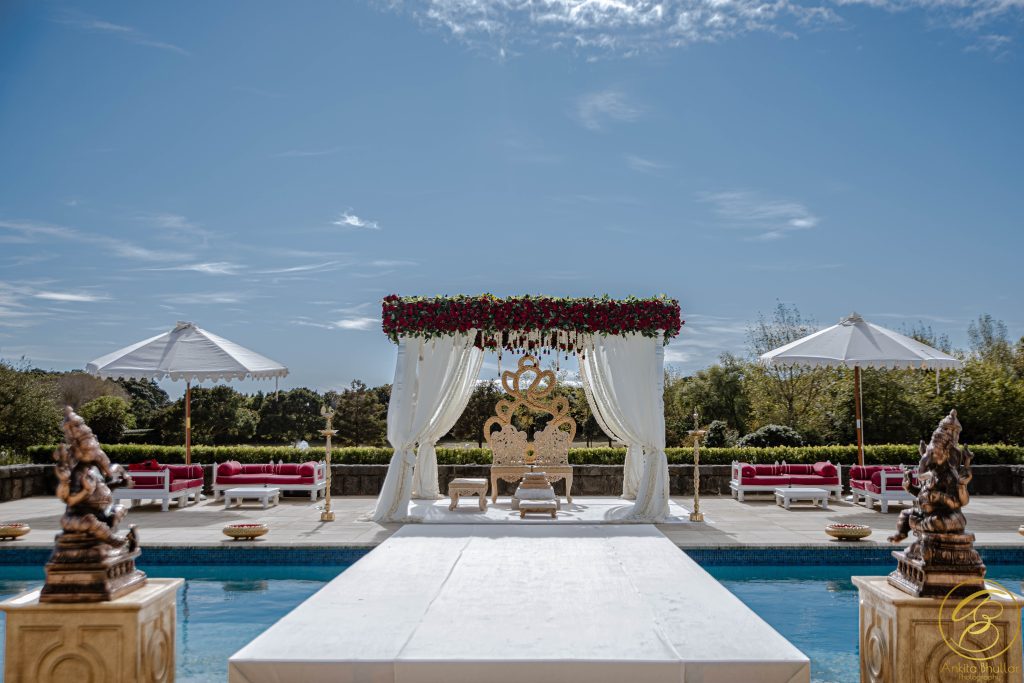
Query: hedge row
x: 891, y: 454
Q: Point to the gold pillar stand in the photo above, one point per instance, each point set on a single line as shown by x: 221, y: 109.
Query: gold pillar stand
x: 696, y: 515
x: 326, y: 514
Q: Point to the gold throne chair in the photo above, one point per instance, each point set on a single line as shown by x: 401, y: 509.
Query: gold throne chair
x: 513, y: 454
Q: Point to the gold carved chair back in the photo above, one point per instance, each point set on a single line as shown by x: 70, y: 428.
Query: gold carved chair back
x: 530, y: 387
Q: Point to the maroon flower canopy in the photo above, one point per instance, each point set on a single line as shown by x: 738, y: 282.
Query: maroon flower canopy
x: 529, y: 322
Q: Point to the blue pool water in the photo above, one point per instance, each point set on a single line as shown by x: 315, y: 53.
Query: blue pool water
x: 223, y: 607
x: 220, y: 608
x: 815, y: 608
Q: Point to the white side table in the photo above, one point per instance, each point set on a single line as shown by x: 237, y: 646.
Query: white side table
x: 786, y: 496
x: 265, y: 494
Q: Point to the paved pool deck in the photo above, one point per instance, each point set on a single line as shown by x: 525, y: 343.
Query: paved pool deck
x: 296, y: 522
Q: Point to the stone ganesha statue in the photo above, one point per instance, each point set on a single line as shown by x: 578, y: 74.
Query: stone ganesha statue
x: 942, y: 556
x: 91, y: 561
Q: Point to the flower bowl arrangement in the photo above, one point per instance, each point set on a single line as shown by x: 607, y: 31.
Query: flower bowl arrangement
x: 12, y: 530
x: 848, y: 532
x: 245, y: 531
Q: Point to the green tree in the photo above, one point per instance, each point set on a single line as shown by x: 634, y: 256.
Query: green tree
x: 470, y: 425
x: 719, y: 393
x: 786, y: 395
x: 146, y: 399
x: 28, y: 409
x: 75, y: 389
x: 289, y: 416
x: 108, y: 417
x: 360, y: 417
x: 220, y: 416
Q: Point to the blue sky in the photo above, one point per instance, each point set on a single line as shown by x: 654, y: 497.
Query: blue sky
x: 271, y: 170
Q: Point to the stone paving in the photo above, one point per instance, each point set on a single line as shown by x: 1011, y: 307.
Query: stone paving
x: 296, y: 522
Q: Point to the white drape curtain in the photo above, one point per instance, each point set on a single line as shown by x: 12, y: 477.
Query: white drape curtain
x: 464, y: 369
x: 432, y: 378
x: 626, y: 374
x: 632, y: 469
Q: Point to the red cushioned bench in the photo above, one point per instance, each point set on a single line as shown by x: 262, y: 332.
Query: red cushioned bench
x: 307, y: 476
x: 164, y: 483
x: 882, y: 483
x: 748, y: 478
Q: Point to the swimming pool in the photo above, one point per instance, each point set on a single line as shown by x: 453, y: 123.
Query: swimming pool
x: 223, y: 607
x: 220, y: 607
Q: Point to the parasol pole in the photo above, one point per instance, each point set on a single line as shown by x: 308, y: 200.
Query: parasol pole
x: 857, y: 411
x: 188, y: 422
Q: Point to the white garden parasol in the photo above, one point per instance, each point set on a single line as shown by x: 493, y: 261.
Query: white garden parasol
x: 190, y: 353
x: 854, y: 343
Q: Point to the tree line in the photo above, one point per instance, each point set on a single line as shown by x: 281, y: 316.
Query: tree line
x: 740, y: 401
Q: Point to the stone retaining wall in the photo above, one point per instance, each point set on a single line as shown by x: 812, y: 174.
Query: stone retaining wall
x: 20, y: 481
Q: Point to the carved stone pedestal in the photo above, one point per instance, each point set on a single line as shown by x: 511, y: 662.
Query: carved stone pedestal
x: 122, y: 641
x: 905, y: 639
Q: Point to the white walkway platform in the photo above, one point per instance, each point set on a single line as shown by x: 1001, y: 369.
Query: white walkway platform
x: 504, y: 604
x: 582, y: 510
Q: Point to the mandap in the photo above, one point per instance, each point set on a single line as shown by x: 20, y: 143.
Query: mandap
x: 620, y: 347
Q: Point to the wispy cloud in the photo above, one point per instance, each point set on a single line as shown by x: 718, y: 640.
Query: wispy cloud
x: 77, y: 297
x: 177, y: 227
x: 347, y: 219
x: 213, y: 268
x: 627, y: 27
x: 127, y: 33
x: 643, y: 165
x: 205, y: 298
x: 357, y: 323
x: 351, y: 323
x: 305, y: 268
x: 596, y: 110
x: 33, y: 231
x: 770, y: 219
x: 384, y: 263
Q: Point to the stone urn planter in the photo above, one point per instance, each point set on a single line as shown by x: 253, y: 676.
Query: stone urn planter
x: 245, y: 531
x: 12, y: 530
x: 848, y: 532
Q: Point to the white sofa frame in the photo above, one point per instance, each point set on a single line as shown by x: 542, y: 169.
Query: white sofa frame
x: 164, y: 494
x: 738, y: 490
x: 886, y: 494
x: 318, y: 487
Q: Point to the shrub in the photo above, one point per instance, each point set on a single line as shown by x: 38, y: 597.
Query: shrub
x: 28, y: 409
x: 882, y: 454
x: 108, y: 417
x: 719, y: 435
x: 772, y: 435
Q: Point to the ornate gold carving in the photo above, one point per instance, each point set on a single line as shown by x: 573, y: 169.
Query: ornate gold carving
x: 529, y: 387
x: 513, y: 454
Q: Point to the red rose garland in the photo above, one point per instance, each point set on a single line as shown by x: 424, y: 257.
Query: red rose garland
x: 528, y: 322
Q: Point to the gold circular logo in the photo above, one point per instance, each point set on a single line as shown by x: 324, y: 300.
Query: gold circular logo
x: 969, y: 625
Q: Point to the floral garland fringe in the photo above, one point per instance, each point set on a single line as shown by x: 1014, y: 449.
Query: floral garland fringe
x: 529, y: 323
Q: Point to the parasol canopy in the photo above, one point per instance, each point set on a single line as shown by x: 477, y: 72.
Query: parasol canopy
x: 190, y: 353
x: 856, y: 343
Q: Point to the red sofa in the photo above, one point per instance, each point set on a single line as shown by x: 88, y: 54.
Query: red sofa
x: 749, y: 478
x: 164, y: 483
x: 882, y: 483
x: 307, y: 476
